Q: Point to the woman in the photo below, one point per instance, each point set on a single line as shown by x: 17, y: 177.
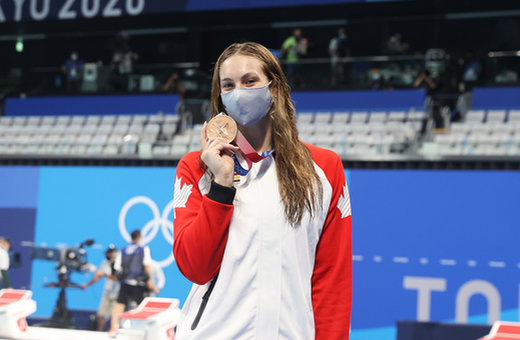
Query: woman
x: 269, y: 249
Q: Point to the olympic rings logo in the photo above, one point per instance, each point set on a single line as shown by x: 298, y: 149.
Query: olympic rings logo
x: 151, y: 228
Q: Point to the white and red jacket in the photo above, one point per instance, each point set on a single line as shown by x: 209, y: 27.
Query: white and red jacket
x: 275, y: 281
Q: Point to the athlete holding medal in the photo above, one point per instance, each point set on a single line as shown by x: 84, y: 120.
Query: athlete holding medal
x: 262, y: 220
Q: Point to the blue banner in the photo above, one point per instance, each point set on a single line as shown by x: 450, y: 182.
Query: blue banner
x: 92, y: 105
x: 359, y: 100
x: 37, y: 10
x: 427, y: 245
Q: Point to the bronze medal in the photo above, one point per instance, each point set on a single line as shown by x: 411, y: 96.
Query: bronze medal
x: 222, y: 126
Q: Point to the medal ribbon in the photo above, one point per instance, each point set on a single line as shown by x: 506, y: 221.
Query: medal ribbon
x: 248, y: 153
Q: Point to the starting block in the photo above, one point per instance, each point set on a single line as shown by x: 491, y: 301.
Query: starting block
x: 503, y: 330
x: 15, y: 306
x: 154, y: 319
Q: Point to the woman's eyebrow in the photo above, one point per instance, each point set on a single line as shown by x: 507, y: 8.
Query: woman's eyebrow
x: 248, y: 75
x: 226, y: 79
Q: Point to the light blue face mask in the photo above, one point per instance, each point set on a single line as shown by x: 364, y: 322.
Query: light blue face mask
x: 247, y: 106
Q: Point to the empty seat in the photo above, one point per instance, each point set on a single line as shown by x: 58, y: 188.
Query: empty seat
x: 179, y: 150
x: 139, y: 119
x: 183, y: 139
x: 6, y: 120
x: 305, y: 127
x: 475, y: 116
x: 105, y: 129
x: 93, y: 120
x: 161, y: 150
x: 513, y: 116
x: 68, y: 139
x: 77, y: 120
x: 110, y: 150
x: 89, y: 129
x: 157, y: 118
x: 322, y: 117
x: 52, y: 139
x: 19, y: 121
x: 84, y: 139
x: 95, y: 149
x: 99, y: 139
x: 305, y: 117
x: 399, y: 116
x: 169, y: 129
x: 496, y: 116
x: 108, y: 119
x: 78, y: 150
x: 33, y: 120
x: 414, y: 115
x: 63, y: 120
x: 124, y: 119
x: 322, y: 128
x: 377, y: 117
x: 171, y: 119
x: 340, y: 117
x: 358, y: 117
x: 115, y: 139
x: 48, y: 120
x: 122, y: 128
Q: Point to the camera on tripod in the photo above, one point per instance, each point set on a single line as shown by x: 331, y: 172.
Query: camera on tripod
x: 70, y: 260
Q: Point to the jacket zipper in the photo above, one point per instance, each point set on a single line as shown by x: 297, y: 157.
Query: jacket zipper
x: 204, y: 302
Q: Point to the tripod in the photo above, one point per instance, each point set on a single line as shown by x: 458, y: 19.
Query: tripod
x: 62, y: 317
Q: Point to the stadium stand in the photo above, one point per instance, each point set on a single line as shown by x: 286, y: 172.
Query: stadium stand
x: 490, y: 128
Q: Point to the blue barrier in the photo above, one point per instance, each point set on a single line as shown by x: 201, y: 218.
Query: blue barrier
x: 92, y: 105
x: 496, y: 98
x: 359, y: 100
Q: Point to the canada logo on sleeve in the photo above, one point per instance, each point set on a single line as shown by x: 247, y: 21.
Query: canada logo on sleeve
x: 181, y: 193
x: 344, y: 203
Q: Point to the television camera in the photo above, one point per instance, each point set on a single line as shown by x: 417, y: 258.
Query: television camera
x: 69, y: 260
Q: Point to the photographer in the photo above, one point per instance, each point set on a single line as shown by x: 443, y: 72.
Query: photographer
x: 133, y: 264
x: 111, y: 289
x: 5, y: 245
x: 431, y: 85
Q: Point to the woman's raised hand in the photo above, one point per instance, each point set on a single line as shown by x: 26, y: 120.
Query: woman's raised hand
x: 217, y: 154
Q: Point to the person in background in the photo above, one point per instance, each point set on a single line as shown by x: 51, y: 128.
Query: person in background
x: 395, y: 45
x: 111, y: 289
x: 293, y: 48
x: 133, y: 264
x: 157, y: 277
x: 267, y: 245
x: 431, y: 85
x: 338, y: 49
x: 174, y: 85
x: 73, y: 70
x: 123, y: 61
x: 5, y: 246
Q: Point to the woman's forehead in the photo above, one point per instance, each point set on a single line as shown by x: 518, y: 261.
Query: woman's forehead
x: 238, y: 65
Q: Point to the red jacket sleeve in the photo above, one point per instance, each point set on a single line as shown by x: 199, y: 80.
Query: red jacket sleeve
x: 332, y: 275
x: 200, y: 224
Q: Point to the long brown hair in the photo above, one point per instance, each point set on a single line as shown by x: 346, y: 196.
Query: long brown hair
x: 299, y: 185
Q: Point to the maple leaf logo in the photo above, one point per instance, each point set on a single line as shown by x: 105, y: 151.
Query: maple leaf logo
x: 344, y: 203
x: 180, y: 194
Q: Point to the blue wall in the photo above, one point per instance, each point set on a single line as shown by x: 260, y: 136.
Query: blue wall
x: 359, y: 100
x: 304, y: 101
x: 406, y: 223
x: 92, y: 105
x: 496, y: 98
